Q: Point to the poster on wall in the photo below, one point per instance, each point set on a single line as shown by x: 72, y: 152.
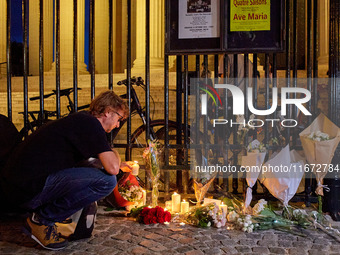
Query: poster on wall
x: 250, y: 15
x: 254, y: 25
x: 193, y: 26
x: 198, y: 19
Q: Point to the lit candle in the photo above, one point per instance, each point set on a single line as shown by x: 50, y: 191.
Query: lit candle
x: 168, y: 205
x: 176, y: 202
x: 144, y: 197
x: 182, y: 223
x: 135, y: 168
x: 224, y: 209
x: 184, y: 207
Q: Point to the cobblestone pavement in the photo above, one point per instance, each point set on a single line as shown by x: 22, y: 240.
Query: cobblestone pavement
x: 122, y: 235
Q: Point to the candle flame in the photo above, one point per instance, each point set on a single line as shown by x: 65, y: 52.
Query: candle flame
x: 165, y: 209
x: 136, y: 162
x: 183, y: 200
x: 175, y: 193
x: 222, y: 203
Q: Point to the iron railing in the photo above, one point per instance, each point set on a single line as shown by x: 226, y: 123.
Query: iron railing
x: 182, y: 78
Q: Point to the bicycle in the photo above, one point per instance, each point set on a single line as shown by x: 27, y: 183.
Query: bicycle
x: 38, y: 119
x: 157, y: 131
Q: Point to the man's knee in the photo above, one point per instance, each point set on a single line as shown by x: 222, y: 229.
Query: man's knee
x: 107, y: 184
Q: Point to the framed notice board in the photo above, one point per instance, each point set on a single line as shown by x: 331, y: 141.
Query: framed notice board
x: 194, y: 26
x: 224, y: 26
x: 254, y: 25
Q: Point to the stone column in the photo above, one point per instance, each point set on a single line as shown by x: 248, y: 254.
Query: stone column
x: 66, y: 37
x: 323, y: 30
x: 157, y: 21
x: 34, y: 16
x: 3, y: 16
x: 102, y: 36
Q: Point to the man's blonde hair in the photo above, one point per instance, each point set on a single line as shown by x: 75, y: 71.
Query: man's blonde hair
x: 105, y: 100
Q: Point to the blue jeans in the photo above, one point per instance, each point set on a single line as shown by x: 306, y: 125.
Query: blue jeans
x: 68, y: 191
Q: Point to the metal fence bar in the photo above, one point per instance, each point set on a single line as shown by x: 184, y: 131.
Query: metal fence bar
x: 92, y: 47
x: 179, y: 119
x: 309, y: 52
x: 186, y: 126
x: 9, y: 61
x: 57, y: 58
x: 75, y: 54
x: 226, y: 75
x: 308, y: 176
x: 25, y: 61
x: 147, y: 69
x: 266, y: 95
x: 128, y: 78
x: 274, y: 132
x: 288, y: 53
x: 295, y: 72
x: 235, y: 153
x: 111, y: 45
x: 166, y: 119
x: 254, y: 84
x: 41, y: 57
x: 197, y: 103
x: 315, y: 56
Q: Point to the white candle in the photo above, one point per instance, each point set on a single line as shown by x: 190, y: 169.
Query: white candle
x: 135, y: 169
x: 176, y: 202
x: 224, y: 209
x: 184, y: 207
x: 168, y: 205
x: 144, y: 197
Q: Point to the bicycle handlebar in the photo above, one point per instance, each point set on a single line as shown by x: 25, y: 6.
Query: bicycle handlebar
x: 63, y: 92
x: 44, y: 96
x: 134, y: 81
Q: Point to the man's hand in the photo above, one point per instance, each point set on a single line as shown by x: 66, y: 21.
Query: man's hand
x: 126, y: 166
x: 111, y: 161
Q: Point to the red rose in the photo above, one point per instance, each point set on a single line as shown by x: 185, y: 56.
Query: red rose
x: 160, y: 220
x: 159, y: 212
x: 145, y: 211
x: 147, y: 219
x: 154, y: 220
x: 152, y: 211
x: 167, y: 216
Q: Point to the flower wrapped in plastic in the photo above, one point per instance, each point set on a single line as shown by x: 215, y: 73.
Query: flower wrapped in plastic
x: 152, y: 159
x: 132, y: 193
x: 256, y: 152
x: 282, y: 174
x: 319, y: 142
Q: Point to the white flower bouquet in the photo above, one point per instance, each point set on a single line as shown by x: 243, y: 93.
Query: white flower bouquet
x: 132, y: 193
x: 207, y: 216
x: 319, y: 142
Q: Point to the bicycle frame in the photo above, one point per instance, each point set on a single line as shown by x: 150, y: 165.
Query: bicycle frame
x: 135, y: 106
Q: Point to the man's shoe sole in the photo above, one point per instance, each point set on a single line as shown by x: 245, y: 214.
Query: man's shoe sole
x: 28, y: 232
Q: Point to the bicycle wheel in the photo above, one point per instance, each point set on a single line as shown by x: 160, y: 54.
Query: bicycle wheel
x: 138, y: 138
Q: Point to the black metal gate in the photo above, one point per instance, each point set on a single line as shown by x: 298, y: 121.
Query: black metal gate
x: 270, y: 61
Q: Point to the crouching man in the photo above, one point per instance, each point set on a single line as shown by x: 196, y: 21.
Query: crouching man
x: 42, y: 176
